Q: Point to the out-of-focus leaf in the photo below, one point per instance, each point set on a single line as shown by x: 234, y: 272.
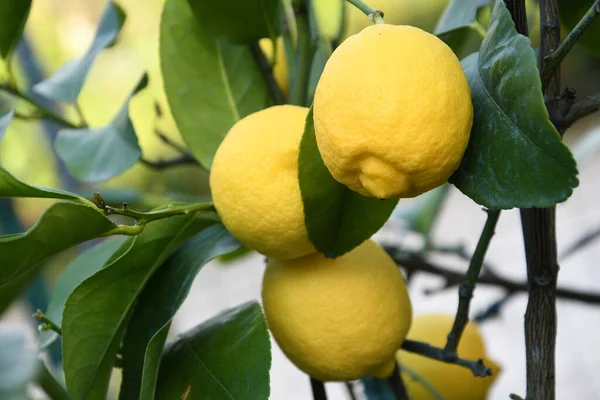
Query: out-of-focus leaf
x: 515, y: 157
x: 240, y: 22
x: 337, y: 218
x: 66, y: 83
x: 464, y: 40
x: 321, y: 55
x: 163, y: 295
x: 210, y: 83
x: 97, y: 311
x: 457, y: 13
x: 18, y: 364
x: 62, y: 226
x: 5, y: 118
x: 13, y: 16
x: 226, y: 357
x: 12, y: 187
x: 96, y: 155
x: 83, y: 266
x: 421, y: 215
x: 571, y: 12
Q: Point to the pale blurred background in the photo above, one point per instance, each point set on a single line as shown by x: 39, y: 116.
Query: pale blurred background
x: 59, y: 30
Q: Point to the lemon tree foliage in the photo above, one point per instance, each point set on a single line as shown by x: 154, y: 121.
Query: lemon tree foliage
x: 458, y: 29
x: 66, y: 83
x: 571, y: 11
x: 515, y: 157
x: 457, y: 13
x: 12, y: 187
x: 239, y: 21
x: 96, y: 155
x: 161, y: 298
x: 13, y: 15
x: 5, y: 119
x: 101, y: 305
x: 210, y: 83
x: 337, y: 218
x: 226, y: 357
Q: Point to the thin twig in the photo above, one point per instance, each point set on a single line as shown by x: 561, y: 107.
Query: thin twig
x: 318, y: 389
x: 47, y: 324
x: 465, y: 292
x: 397, y: 384
x: 493, y: 309
x: 580, y: 243
x: 477, y: 367
x: 266, y: 70
x: 554, y: 59
x: 186, y: 159
x: 375, y: 15
x: 579, y: 110
x: 350, y: 390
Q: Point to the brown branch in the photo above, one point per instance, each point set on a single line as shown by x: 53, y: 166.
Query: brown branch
x: 579, y: 110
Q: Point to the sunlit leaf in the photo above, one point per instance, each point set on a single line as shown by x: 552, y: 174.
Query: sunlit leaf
x: 66, y: 83
x: 210, y: 83
x: 96, y: 155
x: 12, y: 187
x: 337, y: 218
x: 226, y: 357
x: 13, y: 16
x: 158, y: 303
x: 98, y: 309
x: 515, y: 156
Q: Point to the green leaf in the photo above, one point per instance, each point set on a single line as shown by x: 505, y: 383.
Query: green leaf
x: 515, y: 157
x: 337, y: 218
x: 62, y: 226
x: 158, y: 303
x: 240, y: 22
x: 226, y: 357
x: 5, y: 118
x: 96, y: 312
x: 210, y: 83
x: 66, y: 83
x: 13, y: 16
x: 464, y: 40
x: 96, y: 155
x: 83, y: 266
x: 457, y: 13
x: 571, y: 12
x: 18, y: 364
x: 421, y: 214
x: 12, y: 187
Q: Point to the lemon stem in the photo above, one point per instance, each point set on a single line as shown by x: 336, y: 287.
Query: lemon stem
x: 465, y: 292
x: 375, y: 15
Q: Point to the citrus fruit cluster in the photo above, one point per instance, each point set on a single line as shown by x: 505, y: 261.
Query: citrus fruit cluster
x: 392, y: 115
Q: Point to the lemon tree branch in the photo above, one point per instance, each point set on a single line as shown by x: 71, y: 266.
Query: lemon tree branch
x: 47, y: 324
x: 375, y: 15
x: 318, y: 389
x: 397, y: 384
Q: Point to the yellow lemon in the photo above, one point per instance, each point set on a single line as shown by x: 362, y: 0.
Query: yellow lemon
x: 338, y: 319
x: 280, y: 67
x: 392, y: 112
x: 422, y: 14
x: 451, y: 381
x: 254, y: 182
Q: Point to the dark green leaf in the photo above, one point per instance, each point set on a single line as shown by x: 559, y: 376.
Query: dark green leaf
x: 227, y: 357
x: 96, y: 155
x: 18, y: 364
x: 158, y: 303
x: 321, y: 56
x: 457, y: 13
x: 13, y: 16
x: 96, y: 312
x: 240, y: 22
x: 12, y: 187
x: 464, y: 40
x: 83, y: 266
x: 62, y: 226
x: 515, y: 156
x: 5, y: 118
x: 337, y: 218
x: 66, y: 83
x: 571, y: 11
x: 210, y: 83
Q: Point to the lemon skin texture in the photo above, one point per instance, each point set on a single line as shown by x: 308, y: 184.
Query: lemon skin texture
x: 422, y: 14
x: 280, y: 69
x: 392, y: 112
x: 451, y: 381
x: 338, y: 319
x: 254, y: 182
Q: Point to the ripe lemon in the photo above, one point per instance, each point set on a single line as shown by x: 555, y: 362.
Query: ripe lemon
x: 338, y: 319
x: 280, y: 67
x: 451, y: 381
x: 422, y: 14
x: 392, y: 112
x: 254, y: 182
